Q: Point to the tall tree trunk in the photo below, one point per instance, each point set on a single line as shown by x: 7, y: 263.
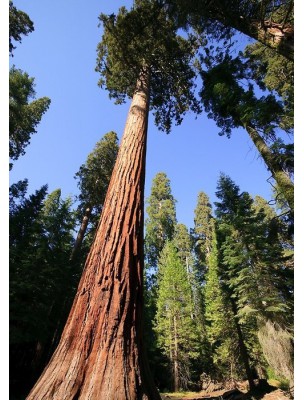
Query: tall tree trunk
x: 282, y: 179
x: 81, y: 232
x: 242, y: 346
x: 100, y: 354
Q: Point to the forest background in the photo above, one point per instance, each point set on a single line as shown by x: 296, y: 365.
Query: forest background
x: 61, y: 55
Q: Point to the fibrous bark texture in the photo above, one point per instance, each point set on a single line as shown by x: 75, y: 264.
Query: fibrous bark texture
x: 100, y: 354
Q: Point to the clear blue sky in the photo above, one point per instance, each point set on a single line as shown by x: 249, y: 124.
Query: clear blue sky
x: 60, y: 54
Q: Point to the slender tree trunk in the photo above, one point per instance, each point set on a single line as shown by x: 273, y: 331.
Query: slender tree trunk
x: 242, y: 346
x: 282, y: 179
x: 100, y: 354
x: 81, y: 232
x: 176, y: 379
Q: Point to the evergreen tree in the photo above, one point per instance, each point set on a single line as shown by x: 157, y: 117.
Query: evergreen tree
x: 202, y: 233
x: 25, y: 112
x: 221, y: 333
x: 161, y: 221
x: 226, y: 101
x: 178, y: 333
x: 140, y: 56
x: 160, y: 227
x: 182, y: 241
x: 40, y: 278
x: 251, y: 258
x: 19, y: 24
x: 93, y: 181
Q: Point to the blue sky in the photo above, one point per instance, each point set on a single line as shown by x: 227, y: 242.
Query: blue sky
x: 60, y: 54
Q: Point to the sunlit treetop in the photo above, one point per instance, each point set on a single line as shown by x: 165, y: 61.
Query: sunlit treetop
x: 145, y: 40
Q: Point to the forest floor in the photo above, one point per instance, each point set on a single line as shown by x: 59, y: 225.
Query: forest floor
x: 268, y: 392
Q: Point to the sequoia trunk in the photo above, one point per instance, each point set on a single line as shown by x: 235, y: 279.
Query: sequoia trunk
x: 283, y: 181
x: 100, y: 354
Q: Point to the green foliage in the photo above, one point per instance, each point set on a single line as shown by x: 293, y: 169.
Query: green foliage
x: 144, y: 39
x: 219, y: 19
x: 178, y: 333
x: 24, y: 114
x: 220, y: 326
x: 231, y: 106
x: 19, y: 24
x: 273, y: 72
x: 202, y: 233
x: 251, y: 254
x: 94, y: 176
x: 40, y: 275
x: 161, y: 221
x: 42, y: 281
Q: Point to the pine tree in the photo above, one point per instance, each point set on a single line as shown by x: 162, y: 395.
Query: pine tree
x: 93, y: 180
x: 161, y: 221
x: 25, y: 112
x: 220, y: 327
x: 41, y: 280
x: 177, y: 331
x: 160, y: 227
x: 202, y: 233
x: 182, y: 241
x: 100, y: 353
x: 251, y: 257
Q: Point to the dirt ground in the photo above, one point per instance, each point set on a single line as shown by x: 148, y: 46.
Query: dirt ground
x: 265, y: 393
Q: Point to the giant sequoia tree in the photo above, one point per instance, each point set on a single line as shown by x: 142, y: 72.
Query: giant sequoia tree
x: 100, y: 354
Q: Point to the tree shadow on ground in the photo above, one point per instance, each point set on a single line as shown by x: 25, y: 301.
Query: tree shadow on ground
x: 261, y: 389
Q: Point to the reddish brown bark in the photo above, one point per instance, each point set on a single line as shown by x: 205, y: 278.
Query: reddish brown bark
x: 100, y: 354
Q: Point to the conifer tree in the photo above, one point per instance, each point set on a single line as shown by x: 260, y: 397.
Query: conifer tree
x: 25, y: 112
x: 226, y: 101
x: 93, y: 180
x: 202, y: 233
x: 160, y: 227
x: 251, y: 258
x: 161, y: 221
x: 221, y: 333
x: 100, y: 354
x: 182, y: 241
x: 19, y: 24
x: 40, y: 279
x: 177, y: 330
